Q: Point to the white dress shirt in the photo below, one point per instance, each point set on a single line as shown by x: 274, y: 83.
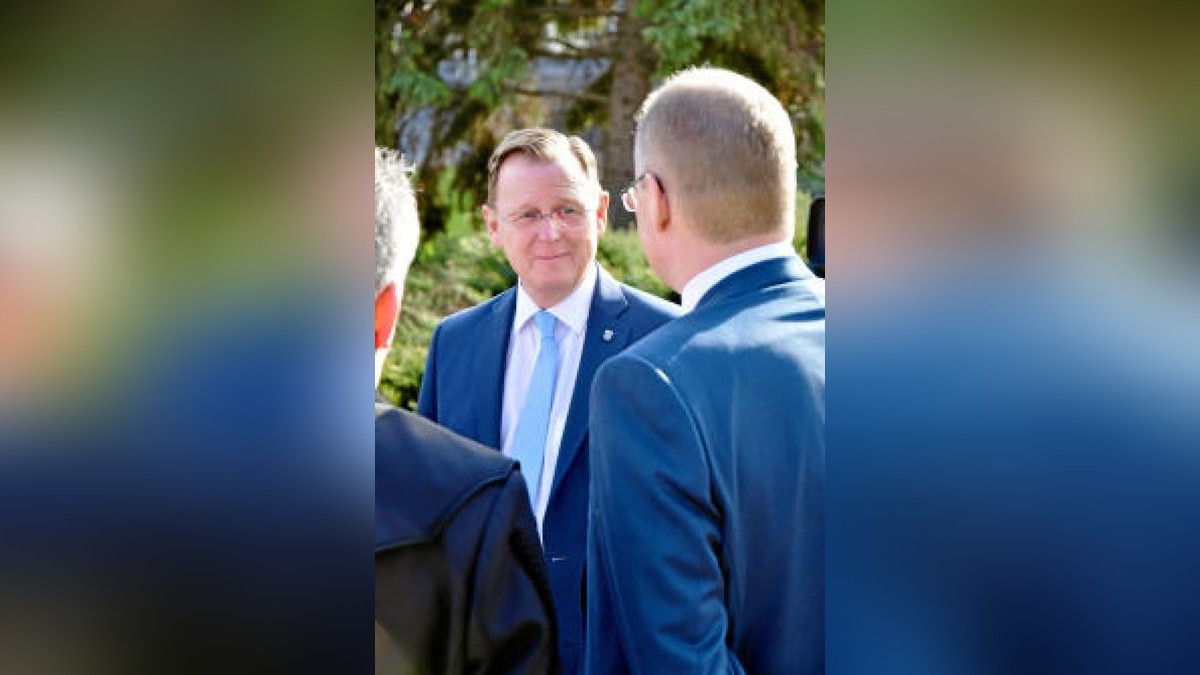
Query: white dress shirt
x: 523, y: 346
x: 703, y: 282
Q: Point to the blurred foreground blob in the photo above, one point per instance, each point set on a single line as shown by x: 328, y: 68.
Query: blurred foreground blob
x: 59, y: 281
x: 1015, y: 484
x: 184, y: 478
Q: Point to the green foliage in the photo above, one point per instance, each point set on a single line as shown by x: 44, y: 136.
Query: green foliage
x: 451, y: 272
x: 679, y: 30
x: 620, y: 252
x: 470, y: 63
x: 414, y: 39
x: 418, y: 88
x: 493, y: 87
x: 462, y: 214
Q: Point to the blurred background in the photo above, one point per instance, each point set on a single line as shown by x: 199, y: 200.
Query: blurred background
x: 1014, y: 463
x: 453, y: 77
x: 185, y: 446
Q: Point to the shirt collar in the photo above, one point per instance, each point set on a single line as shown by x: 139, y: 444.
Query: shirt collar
x: 703, y: 282
x: 571, y: 311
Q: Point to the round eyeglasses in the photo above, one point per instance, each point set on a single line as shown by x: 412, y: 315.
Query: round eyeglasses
x: 570, y: 215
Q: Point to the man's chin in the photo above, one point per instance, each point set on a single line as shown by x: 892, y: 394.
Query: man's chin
x: 555, y: 273
x: 556, y: 287
x: 554, y: 262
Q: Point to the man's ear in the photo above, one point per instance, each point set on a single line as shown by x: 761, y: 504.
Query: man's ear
x: 493, y: 225
x: 387, y: 309
x: 602, y: 213
x: 660, y: 217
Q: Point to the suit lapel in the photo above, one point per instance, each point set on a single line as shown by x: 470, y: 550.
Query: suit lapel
x: 491, y: 355
x: 604, y: 336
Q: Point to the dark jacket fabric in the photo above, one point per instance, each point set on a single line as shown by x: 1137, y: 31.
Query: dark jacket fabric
x: 460, y: 585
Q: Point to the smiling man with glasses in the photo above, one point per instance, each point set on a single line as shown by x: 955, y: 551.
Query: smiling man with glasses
x: 515, y: 372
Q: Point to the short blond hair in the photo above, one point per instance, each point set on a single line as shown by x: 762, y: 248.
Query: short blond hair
x: 724, y: 149
x: 397, y: 226
x: 545, y: 145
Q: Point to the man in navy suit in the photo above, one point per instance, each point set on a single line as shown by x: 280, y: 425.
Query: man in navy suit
x: 706, y: 544
x: 514, y: 373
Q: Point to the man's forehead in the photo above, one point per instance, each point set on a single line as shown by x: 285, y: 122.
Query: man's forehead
x: 569, y: 175
x: 567, y: 162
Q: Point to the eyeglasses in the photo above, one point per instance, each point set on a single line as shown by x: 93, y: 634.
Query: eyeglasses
x: 570, y: 215
x: 629, y: 197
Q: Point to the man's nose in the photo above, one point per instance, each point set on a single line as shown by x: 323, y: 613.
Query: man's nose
x: 547, y: 227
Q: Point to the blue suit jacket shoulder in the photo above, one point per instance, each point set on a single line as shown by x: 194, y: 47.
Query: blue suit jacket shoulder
x: 706, y: 551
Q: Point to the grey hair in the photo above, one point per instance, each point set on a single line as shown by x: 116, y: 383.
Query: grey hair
x: 397, y: 226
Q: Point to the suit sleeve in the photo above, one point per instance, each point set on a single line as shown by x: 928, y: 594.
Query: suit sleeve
x: 655, y: 587
x: 512, y: 627
x: 427, y: 397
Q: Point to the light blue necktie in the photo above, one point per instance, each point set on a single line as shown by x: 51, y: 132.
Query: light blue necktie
x: 530, y: 442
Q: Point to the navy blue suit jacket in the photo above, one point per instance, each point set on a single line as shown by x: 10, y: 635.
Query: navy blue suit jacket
x: 463, y: 388
x: 707, y: 544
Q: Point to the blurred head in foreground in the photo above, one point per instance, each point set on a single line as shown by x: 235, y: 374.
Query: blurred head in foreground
x: 397, y: 230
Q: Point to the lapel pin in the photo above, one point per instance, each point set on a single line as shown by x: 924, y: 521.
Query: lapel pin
x: 608, y: 333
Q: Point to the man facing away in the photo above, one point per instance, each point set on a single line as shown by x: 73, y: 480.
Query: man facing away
x: 459, y: 582
x: 514, y: 373
x: 706, y: 547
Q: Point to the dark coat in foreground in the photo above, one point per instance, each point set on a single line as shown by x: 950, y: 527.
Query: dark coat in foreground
x: 460, y: 586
